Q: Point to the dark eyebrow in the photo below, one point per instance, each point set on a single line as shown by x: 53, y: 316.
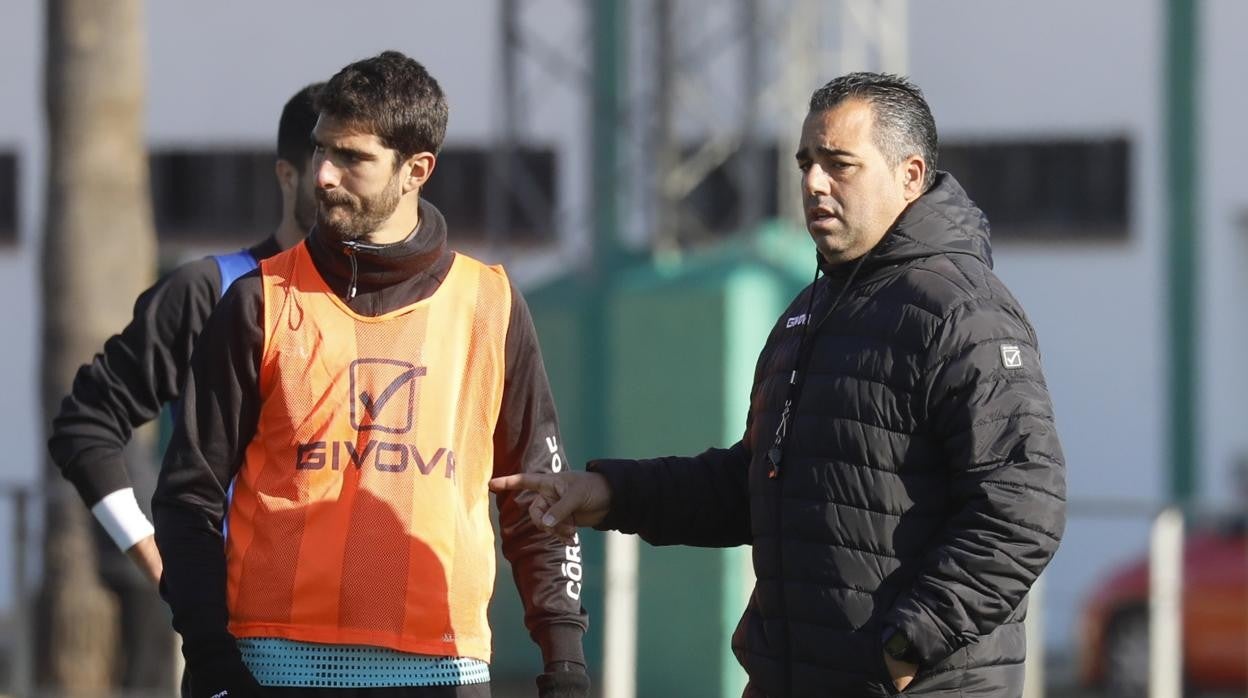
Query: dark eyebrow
x: 824, y: 151
x: 358, y: 154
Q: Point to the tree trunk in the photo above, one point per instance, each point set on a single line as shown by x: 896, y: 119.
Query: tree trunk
x: 98, y: 254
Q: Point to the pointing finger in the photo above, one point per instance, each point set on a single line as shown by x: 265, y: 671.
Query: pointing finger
x: 518, y: 483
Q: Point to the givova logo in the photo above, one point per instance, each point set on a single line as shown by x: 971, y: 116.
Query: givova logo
x: 383, y: 393
x: 383, y: 398
x: 1011, y: 356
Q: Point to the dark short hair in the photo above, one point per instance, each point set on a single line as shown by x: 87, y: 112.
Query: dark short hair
x: 294, y: 129
x: 391, y: 96
x: 903, y: 122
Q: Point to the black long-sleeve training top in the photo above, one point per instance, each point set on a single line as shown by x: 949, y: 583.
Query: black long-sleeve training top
x: 139, y: 371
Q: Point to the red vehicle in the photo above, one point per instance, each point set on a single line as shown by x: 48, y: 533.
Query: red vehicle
x: 1114, y: 626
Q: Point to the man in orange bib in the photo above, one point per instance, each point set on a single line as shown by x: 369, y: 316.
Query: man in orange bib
x: 323, y: 511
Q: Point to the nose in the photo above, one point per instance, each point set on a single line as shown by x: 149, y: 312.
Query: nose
x: 815, y: 182
x: 327, y: 176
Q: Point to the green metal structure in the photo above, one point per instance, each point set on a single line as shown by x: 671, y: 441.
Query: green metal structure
x: 1182, y: 82
x: 684, y: 338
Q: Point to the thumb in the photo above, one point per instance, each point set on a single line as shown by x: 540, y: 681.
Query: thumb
x: 562, y: 506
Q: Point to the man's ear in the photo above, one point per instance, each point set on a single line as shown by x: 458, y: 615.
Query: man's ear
x: 420, y: 169
x: 287, y: 177
x: 914, y: 171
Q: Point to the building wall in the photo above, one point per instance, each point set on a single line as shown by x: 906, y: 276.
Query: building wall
x: 21, y: 132
x: 1224, y: 250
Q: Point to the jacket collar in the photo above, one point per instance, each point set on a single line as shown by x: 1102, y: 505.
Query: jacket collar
x: 382, y: 265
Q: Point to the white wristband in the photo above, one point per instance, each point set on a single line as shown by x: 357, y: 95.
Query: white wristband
x: 120, y: 515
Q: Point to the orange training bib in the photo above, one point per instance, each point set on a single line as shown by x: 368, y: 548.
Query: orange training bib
x: 361, y: 512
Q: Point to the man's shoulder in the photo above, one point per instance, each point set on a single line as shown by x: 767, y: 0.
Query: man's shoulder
x: 469, y: 261
x: 941, y: 283
x: 198, y: 279
x: 205, y: 280
x: 208, y: 271
x: 196, y: 271
x: 492, y: 279
x: 960, y: 289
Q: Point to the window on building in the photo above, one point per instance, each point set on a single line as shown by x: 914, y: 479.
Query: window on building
x: 466, y: 183
x: 231, y: 195
x: 1046, y: 190
x: 719, y: 204
x: 722, y: 198
x: 214, y: 196
x: 8, y: 198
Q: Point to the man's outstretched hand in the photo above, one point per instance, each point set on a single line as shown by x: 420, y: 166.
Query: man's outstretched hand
x: 564, y: 500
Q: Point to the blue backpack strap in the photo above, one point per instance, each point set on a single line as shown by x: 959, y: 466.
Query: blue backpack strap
x: 234, y: 265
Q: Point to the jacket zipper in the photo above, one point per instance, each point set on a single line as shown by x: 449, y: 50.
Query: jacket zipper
x: 776, y: 454
x: 784, y: 606
x: 353, y: 287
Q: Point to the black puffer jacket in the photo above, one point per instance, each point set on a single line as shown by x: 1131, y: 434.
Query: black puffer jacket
x: 922, y: 485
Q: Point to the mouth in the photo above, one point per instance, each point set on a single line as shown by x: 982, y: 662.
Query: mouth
x: 331, y: 199
x: 819, y: 214
x: 331, y: 205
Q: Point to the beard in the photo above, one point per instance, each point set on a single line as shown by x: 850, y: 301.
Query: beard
x: 305, y: 208
x: 347, y: 217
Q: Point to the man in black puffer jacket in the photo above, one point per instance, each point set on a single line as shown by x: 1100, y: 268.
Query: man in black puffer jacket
x: 900, y: 476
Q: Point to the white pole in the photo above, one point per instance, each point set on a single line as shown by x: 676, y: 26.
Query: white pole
x: 23, y: 655
x: 1033, y: 677
x: 1165, y: 620
x: 619, y: 665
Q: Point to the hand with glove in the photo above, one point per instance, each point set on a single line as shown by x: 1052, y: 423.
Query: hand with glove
x: 216, y: 670
x: 563, y: 680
